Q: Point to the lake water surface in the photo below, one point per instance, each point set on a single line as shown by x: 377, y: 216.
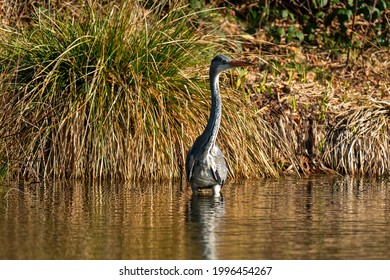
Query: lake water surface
x: 323, y: 217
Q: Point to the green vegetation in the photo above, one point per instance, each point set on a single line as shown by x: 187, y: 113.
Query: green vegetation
x: 121, y: 90
x: 332, y: 23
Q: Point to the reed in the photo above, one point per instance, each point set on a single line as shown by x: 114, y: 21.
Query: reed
x: 120, y: 95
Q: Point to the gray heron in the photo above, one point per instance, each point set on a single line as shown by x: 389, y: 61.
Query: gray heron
x: 205, y: 164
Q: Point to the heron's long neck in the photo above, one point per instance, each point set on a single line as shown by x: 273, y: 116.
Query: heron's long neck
x: 214, y: 121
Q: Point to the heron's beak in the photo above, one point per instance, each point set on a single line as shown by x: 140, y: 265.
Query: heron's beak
x: 238, y: 63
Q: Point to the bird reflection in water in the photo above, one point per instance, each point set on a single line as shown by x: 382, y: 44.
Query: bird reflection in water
x: 205, y: 214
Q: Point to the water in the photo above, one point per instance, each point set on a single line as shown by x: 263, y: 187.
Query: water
x: 315, y: 218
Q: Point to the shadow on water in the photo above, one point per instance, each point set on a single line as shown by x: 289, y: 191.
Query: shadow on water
x: 204, y: 216
x: 313, y: 218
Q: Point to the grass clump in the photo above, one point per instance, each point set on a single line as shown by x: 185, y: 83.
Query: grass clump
x: 106, y: 96
x: 359, y: 143
x: 96, y: 97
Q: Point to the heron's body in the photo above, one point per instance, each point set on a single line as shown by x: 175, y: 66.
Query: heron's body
x: 208, y: 169
x: 205, y: 164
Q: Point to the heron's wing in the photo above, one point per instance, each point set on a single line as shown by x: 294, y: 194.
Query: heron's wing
x: 194, y: 152
x: 219, y: 166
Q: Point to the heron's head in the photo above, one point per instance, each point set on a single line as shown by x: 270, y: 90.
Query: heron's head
x: 222, y: 63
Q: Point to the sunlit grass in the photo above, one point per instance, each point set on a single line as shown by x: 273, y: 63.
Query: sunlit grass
x: 116, y: 95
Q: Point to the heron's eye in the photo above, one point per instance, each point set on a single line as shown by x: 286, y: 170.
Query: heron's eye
x: 223, y: 61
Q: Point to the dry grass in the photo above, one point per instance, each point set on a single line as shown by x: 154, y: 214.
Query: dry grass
x: 122, y: 95
x: 100, y: 98
x: 359, y: 143
x: 118, y: 96
x: 302, y: 94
